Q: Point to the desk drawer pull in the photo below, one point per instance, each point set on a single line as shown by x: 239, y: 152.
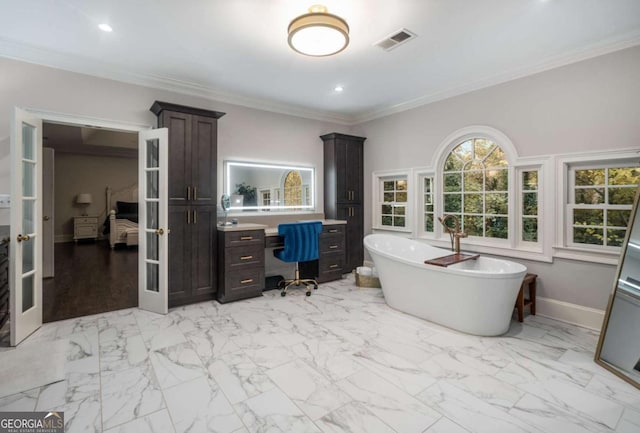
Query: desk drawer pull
x: 246, y: 257
x: 246, y: 238
x: 247, y: 281
x: 333, y: 247
x: 333, y: 266
x: 333, y: 231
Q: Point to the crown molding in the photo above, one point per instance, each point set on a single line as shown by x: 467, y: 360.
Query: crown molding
x: 59, y: 60
x: 97, y: 68
x: 601, y: 48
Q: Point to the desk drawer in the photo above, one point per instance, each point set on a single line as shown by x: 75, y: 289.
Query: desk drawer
x: 330, y: 264
x: 331, y: 244
x: 333, y: 229
x: 86, y: 220
x: 247, y: 237
x: 86, y: 231
x: 243, y: 283
x: 243, y: 256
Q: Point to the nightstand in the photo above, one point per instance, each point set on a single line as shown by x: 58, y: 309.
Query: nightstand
x: 85, y: 227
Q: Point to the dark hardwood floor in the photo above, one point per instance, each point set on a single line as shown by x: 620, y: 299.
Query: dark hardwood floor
x: 90, y: 278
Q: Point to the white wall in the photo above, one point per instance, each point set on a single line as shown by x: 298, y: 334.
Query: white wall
x: 243, y: 133
x: 75, y: 174
x: 590, y: 105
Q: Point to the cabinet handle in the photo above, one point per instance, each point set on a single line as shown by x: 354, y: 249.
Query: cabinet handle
x: 333, y: 231
x: 246, y: 257
x: 333, y: 247
x: 188, y: 193
x: 333, y: 266
x: 247, y: 281
x: 246, y: 238
x: 195, y: 216
x: 188, y: 217
x: 195, y: 193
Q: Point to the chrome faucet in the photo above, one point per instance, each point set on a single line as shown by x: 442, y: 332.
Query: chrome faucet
x: 454, y: 232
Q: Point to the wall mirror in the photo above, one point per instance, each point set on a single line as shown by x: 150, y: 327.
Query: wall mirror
x: 619, y: 346
x: 263, y: 187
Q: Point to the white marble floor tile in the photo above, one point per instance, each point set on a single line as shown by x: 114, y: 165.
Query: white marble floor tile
x: 577, y: 400
x: 548, y: 417
x: 160, y: 338
x: 308, y: 389
x: 331, y: 358
x: 21, y: 402
x: 445, y: 425
x: 239, y: 377
x: 489, y: 389
x: 270, y: 357
x: 273, y: 412
x: 117, y: 325
x: 66, y: 328
x: 120, y: 354
x: 176, y: 364
x: 200, y: 406
x: 630, y: 422
x: 129, y: 394
x: 395, y: 407
x: 352, y: 418
x: 82, y: 382
x: 613, y: 388
x: 210, y: 344
x: 402, y: 373
x: 470, y: 412
x: 157, y: 422
x: 82, y: 416
x: 82, y: 345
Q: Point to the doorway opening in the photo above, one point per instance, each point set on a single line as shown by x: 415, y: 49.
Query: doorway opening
x: 90, y: 220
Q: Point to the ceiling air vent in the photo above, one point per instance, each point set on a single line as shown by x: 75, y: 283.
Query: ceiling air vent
x: 395, y: 39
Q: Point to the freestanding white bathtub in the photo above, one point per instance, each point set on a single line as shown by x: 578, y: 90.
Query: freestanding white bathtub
x: 476, y: 296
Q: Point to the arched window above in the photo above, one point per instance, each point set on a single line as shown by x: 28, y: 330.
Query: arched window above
x: 293, y: 189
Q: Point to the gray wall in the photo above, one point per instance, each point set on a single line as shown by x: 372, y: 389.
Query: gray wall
x: 590, y: 105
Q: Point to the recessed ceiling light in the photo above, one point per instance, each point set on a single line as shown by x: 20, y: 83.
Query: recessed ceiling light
x: 338, y: 89
x: 105, y: 27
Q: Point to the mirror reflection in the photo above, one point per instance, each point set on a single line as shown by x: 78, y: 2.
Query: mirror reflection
x: 619, y: 345
x: 269, y: 187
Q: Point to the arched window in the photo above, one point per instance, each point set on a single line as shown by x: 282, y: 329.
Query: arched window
x: 475, y: 181
x: 293, y: 189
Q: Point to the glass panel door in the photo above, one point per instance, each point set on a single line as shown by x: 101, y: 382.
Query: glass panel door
x: 153, y: 230
x: 26, y: 226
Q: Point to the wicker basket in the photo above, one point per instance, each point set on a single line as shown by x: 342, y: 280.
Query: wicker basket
x: 367, y: 281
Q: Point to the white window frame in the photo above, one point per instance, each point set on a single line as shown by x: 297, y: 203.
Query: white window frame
x: 513, y: 246
x: 565, y: 164
x: 378, y: 177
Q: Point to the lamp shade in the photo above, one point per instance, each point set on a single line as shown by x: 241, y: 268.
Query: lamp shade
x: 318, y: 33
x: 84, y: 198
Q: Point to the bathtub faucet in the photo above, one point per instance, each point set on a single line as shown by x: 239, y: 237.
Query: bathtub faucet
x: 454, y: 232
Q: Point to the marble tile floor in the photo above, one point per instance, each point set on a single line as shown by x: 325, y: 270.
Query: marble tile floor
x: 338, y: 361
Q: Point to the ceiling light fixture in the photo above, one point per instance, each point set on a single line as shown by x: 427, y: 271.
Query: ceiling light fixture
x: 318, y: 33
x: 338, y: 89
x: 105, y: 27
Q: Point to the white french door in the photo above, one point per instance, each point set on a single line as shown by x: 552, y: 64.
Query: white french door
x: 153, y: 220
x: 25, y: 257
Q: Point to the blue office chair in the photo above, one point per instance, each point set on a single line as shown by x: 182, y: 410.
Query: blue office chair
x: 301, y: 244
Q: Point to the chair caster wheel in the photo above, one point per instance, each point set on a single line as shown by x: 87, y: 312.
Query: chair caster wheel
x: 315, y: 287
x: 308, y: 293
x: 283, y: 294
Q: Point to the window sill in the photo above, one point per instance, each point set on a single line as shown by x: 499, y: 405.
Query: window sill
x: 586, y: 255
x: 391, y: 229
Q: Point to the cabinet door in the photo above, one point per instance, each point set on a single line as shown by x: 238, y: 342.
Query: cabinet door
x: 204, y: 160
x: 203, y: 243
x: 349, y: 174
x: 179, y: 254
x: 354, y: 248
x: 179, y: 125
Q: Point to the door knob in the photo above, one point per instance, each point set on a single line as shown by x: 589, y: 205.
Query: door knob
x: 160, y: 232
x: 46, y: 218
x: 23, y: 238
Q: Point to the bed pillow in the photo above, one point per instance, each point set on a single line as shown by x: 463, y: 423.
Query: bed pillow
x: 123, y: 207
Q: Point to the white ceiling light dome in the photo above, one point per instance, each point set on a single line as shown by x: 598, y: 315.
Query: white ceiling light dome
x: 318, y: 33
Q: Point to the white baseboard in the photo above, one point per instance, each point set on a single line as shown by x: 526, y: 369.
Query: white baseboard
x: 570, y: 313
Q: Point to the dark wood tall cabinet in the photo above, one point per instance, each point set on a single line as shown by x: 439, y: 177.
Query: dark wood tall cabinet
x: 193, y: 154
x: 344, y: 189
